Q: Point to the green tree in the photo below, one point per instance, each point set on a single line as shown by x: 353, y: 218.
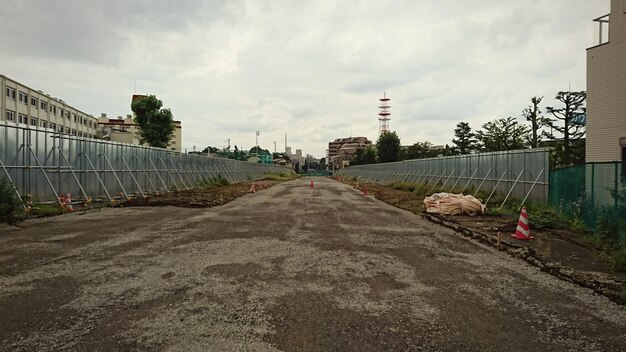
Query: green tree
x: 364, y: 156
x: 369, y: 155
x: 420, y: 150
x: 258, y: 150
x: 236, y: 153
x: 449, y: 151
x: 156, y: 125
x: 565, y: 123
x: 465, y: 140
x: 211, y: 150
x: 388, y: 147
x: 533, y: 115
x: 502, y: 134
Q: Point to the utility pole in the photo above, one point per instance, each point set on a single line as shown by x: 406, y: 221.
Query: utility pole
x: 274, y: 146
x: 257, y: 141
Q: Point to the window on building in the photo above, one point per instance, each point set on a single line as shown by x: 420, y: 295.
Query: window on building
x: 75, y: 118
x: 33, y: 102
x: 23, y: 98
x: 21, y: 118
x: 80, y: 134
x: 60, y: 129
x: 10, y: 115
x: 53, y: 126
x: 67, y: 130
x: 44, y: 124
x: 90, y: 125
x: 61, y: 112
x: 34, y: 121
x: 10, y: 93
x: 43, y: 105
x: 53, y: 109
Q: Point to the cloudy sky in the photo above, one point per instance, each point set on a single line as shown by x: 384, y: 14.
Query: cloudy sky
x: 311, y: 69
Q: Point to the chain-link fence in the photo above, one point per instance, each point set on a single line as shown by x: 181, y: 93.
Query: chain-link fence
x: 42, y: 164
x: 520, y: 174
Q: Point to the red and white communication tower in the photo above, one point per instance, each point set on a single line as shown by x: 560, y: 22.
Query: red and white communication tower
x: 383, y: 115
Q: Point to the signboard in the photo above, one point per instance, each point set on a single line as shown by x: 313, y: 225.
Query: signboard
x: 579, y: 119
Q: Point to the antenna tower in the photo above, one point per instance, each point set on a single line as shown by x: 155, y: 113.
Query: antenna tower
x: 383, y: 115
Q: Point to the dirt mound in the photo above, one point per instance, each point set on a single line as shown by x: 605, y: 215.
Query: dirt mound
x: 199, y: 198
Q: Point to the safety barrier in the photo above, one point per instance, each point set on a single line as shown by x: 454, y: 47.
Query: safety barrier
x: 42, y: 164
x: 521, y: 174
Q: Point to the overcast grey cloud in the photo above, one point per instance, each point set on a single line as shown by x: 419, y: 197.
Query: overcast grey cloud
x: 311, y: 69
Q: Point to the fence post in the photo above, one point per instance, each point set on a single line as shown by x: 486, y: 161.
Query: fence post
x: 458, y: 179
x: 593, y: 181
x: 470, y: 180
x: 481, y: 183
x: 496, y: 187
x: 616, y: 189
x: 511, y: 190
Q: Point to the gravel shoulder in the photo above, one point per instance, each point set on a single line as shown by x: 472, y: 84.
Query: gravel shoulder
x: 289, y: 268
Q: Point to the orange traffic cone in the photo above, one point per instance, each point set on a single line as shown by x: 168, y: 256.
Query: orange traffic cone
x: 252, y: 189
x: 523, y: 230
x: 365, y: 193
x: 311, y: 183
x: 62, y: 200
x: 68, y: 203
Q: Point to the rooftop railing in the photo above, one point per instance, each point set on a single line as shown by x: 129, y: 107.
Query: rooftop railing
x: 601, y: 30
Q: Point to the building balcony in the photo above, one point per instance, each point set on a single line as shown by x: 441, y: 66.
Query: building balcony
x: 601, y: 30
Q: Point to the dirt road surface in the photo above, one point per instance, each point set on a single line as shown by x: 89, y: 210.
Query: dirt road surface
x: 289, y: 268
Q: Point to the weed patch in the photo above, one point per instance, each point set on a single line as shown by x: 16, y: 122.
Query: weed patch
x: 284, y: 176
x: 209, y: 182
x: 10, y: 203
x: 45, y: 210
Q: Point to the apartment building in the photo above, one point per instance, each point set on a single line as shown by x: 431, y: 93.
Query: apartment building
x: 341, y: 150
x: 31, y: 108
x: 606, y: 88
x: 125, y: 130
x: 335, y: 146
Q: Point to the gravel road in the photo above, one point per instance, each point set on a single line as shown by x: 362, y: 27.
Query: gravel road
x: 289, y: 268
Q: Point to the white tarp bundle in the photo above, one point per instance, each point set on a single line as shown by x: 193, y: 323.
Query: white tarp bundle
x: 453, y: 204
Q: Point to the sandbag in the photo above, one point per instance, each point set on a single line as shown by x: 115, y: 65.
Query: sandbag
x: 453, y: 204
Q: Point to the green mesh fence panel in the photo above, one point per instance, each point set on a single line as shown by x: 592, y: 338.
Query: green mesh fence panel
x: 595, y: 192
x: 567, y: 188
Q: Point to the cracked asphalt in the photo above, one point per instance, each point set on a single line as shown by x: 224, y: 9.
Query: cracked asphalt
x: 289, y: 268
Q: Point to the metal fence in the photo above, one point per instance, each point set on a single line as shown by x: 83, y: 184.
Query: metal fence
x: 520, y: 174
x: 42, y: 164
x: 590, y: 190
